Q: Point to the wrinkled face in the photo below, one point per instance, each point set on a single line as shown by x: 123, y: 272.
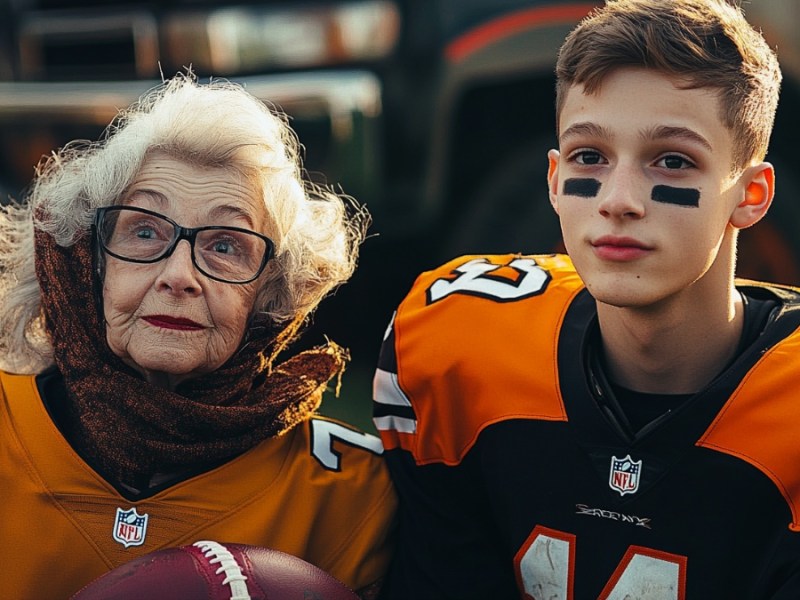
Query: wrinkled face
x: 166, y: 319
x: 643, y: 186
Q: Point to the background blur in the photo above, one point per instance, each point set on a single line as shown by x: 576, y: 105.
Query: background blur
x: 436, y: 114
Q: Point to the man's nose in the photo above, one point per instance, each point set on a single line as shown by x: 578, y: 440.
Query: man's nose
x: 623, y: 194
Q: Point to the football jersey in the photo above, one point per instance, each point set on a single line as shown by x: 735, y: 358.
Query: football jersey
x: 320, y: 492
x: 515, y: 480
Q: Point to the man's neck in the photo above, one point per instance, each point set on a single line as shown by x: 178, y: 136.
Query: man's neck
x: 677, y: 347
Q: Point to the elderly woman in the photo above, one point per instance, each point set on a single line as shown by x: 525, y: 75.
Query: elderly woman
x: 147, y: 287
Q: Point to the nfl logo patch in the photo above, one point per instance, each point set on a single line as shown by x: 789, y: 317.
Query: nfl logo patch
x: 624, y: 476
x: 130, y: 527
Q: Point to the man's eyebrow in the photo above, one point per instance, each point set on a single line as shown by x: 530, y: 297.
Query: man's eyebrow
x: 594, y: 130
x: 585, y: 128
x: 671, y: 132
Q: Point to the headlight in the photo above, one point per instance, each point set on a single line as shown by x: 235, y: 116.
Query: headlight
x: 247, y: 38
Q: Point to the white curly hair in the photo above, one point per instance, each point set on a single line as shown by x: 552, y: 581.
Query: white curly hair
x: 316, y: 232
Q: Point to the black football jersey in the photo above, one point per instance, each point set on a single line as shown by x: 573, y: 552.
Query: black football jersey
x: 517, y: 480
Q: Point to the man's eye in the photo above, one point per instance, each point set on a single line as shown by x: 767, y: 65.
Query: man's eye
x: 588, y: 157
x: 674, y: 161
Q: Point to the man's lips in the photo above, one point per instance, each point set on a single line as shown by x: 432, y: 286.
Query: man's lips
x: 619, y: 248
x: 168, y: 322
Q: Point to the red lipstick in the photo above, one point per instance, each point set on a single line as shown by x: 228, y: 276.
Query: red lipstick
x: 168, y: 322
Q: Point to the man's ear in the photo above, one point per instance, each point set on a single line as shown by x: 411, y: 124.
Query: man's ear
x: 552, y: 177
x: 759, y: 190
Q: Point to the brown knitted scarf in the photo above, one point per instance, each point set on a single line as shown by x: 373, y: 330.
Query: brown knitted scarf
x: 130, y: 429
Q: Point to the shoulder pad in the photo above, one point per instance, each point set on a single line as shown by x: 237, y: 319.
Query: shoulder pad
x: 474, y: 342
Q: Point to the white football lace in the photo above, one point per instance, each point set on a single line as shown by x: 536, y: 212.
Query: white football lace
x: 233, y: 573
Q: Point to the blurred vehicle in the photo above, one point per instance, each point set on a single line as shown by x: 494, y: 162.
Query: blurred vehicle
x: 435, y: 113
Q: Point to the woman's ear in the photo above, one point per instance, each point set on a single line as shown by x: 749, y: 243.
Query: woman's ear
x: 759, y: 190
x: 552, y: 178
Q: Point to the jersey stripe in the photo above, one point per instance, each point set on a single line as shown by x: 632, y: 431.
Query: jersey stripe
x: 392, y: 408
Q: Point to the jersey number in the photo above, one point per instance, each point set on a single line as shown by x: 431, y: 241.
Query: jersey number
x: 545, y: 568
x: 323, y: 434
x: 518, y: 279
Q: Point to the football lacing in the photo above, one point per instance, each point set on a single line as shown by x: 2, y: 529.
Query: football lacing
x: 219, y: 554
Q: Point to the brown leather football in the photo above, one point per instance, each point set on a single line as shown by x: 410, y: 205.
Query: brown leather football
x: 216, y: 571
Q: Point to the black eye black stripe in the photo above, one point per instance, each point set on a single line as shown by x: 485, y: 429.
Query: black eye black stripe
x: 675, y: 195
x: 585, y: 188
x: 589, y: 188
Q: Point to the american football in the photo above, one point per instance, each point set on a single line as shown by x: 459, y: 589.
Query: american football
x: 216, y: 571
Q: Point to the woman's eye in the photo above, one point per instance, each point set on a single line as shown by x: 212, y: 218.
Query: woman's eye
x: 222, y: 247
x: 673, y: 161
x: 145, y: 233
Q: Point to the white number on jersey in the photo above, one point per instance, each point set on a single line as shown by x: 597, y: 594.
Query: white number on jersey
x: 545, y: 567
x: 323, y: 434
x: 479, y: 277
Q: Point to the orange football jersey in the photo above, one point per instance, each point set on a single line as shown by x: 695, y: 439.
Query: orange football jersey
x: 519, y: 472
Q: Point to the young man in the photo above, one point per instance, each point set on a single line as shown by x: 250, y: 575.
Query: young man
x: 619, y: 423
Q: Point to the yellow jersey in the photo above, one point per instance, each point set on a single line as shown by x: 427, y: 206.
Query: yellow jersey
x: 320, y: 492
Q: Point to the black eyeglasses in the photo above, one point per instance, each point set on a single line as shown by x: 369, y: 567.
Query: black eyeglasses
x: 138, y: 235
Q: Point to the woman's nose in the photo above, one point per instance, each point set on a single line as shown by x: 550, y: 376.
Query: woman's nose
x: 178, y: 274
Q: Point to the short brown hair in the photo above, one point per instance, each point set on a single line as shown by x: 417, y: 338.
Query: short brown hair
x: 706, y: 43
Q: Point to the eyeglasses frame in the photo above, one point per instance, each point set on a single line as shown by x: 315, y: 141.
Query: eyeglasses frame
x: 183, y: 233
